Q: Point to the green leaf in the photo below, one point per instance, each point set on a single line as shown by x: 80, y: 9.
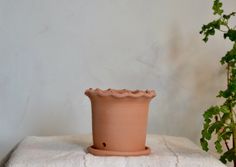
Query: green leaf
x: 223, y: 158
x: 206, y: 134
x: 217, y: 7
x: 227, y: 17
x: 234, y: 72
x: 224, y: 94
x: 208, y: 115
x: 216, y: 126
x: 204, y: 144
x: 232, y: 87
x: 231, y: 126
x: 226, y: 135
x: 225, y: 117
x: 207, y: 121
x: 230, y: 56
x: 218, y: 146
x: 209, y: 29
x: 224, y: 109
x: 231, y: 34
x: 205, y: 39
x: 227, y: 58
x: 228, y: 156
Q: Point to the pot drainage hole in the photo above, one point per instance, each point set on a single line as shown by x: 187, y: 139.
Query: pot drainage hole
x: 104, y: 144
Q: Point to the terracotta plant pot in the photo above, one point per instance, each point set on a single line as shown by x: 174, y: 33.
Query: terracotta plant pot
x: 119, y: 121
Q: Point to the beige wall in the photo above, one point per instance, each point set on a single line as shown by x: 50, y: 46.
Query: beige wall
x: 52, y: 50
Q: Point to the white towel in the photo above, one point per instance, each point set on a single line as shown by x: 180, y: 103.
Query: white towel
x: 70, y: 151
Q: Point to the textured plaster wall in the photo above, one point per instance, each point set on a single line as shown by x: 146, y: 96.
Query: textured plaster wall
x: 52, y: 50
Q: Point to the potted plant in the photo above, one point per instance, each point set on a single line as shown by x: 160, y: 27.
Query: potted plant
x: 119, y: 121
x: 221, y: 119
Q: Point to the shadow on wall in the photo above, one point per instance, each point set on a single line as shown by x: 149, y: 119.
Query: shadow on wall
x: 194, y: 78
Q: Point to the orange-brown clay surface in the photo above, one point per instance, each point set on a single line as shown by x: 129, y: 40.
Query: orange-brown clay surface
x: 119, y: 121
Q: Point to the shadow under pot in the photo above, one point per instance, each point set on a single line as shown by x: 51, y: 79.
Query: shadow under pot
x: 119, y: 121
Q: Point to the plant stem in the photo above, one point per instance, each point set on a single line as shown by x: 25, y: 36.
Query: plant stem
x: 234, y: 141
x: 232, y: 115
x: 226, y: 144
x: 234, y: 135
x: 228, y: 74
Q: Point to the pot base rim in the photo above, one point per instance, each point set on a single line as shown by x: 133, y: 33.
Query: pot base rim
x: 100, y: 152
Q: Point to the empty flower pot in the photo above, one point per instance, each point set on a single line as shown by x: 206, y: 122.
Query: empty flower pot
x: 119, y: 121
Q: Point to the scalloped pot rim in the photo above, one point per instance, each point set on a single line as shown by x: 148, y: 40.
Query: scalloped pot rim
x: 120, y: 93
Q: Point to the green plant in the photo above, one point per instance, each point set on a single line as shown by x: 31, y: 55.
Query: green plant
x: 221, y: 119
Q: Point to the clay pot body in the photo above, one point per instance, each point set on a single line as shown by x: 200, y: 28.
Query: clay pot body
x: 119, y: 121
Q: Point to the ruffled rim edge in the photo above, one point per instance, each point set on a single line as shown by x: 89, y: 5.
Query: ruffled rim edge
x: 119, y: 93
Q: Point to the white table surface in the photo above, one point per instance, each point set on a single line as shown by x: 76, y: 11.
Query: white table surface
x: 70, y: 151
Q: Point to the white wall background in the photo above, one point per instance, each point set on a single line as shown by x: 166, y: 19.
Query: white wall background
x: 52, y: 50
